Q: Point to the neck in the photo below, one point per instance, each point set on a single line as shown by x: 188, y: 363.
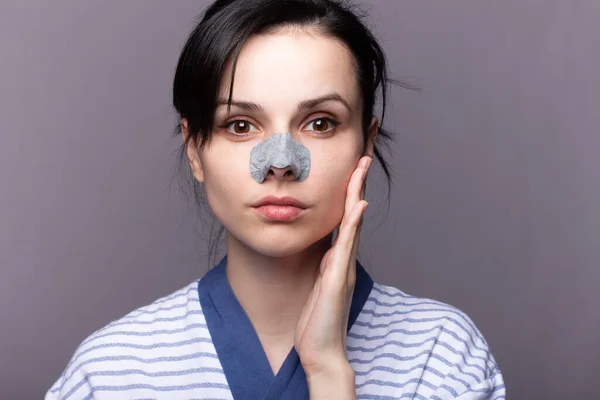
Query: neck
x: 273, y: 290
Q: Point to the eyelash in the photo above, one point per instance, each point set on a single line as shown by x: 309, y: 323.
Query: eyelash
x: 227, y: 124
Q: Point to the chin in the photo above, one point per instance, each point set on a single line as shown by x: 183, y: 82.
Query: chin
x: 284, y: 244
x: 278, y: 247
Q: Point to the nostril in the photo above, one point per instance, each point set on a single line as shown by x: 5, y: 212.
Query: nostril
x: 282, y: 173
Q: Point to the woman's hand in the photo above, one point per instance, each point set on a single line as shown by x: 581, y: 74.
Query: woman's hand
x: 320, y: 337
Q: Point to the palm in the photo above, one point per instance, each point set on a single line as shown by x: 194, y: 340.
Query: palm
x: 315, y: 318
x: 320, y: 335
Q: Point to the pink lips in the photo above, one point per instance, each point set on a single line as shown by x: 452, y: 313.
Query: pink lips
x: 280, y: 208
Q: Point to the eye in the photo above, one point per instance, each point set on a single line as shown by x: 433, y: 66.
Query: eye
x: 321, y: 124
x: 239, y: 127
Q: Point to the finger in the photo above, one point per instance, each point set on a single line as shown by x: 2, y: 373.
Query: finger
x: 351, y: 273
x: 355, y: 190
x: 356, y: 232
x: 337, y: 285
x: 364, y: 183
x: 356, y: 239
x: 343, y: 251
x: 357, y: 180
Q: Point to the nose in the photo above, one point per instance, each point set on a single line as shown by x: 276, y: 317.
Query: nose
x: 281, y: 174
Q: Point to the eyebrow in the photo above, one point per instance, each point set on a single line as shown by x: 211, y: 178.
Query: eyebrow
x: 304, y: 105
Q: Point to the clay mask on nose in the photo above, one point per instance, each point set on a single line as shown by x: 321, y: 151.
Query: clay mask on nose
x: 279, y: 150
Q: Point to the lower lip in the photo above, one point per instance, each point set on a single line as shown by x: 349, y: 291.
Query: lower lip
x: 280, y: 213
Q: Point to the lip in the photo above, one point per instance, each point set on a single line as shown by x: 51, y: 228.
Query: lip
x: 280, y: 201
x: 280, y: 208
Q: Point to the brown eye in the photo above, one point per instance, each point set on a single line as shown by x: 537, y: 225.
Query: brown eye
x: 321, y: 125
x: 239, y: 127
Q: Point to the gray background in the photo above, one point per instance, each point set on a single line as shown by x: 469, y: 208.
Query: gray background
x: 494, y: 209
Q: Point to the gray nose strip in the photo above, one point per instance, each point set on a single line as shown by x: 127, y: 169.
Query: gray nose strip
x: 280, y: 150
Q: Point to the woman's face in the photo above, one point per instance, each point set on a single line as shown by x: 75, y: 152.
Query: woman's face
x: 277, y: 73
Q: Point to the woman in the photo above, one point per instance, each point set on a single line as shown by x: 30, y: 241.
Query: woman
x: 276, y: 103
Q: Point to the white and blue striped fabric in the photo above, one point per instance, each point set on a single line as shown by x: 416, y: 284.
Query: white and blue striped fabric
x: 399, y: 346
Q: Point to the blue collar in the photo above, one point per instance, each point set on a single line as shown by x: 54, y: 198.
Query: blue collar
x: 242, y: 356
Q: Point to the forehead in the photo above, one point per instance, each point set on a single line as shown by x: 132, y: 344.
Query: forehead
x: 289, y: 66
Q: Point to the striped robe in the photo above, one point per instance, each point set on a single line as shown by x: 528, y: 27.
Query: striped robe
x: 197, y: 343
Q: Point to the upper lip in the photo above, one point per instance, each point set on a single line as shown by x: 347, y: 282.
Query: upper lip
x: 280, y: 201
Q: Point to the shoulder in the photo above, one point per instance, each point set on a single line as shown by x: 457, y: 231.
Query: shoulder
x: 426, y: 318
x: 144, y: 340
x: 422, y: 346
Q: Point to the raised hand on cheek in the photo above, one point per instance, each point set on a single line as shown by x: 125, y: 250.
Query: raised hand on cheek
x: 320, y: 337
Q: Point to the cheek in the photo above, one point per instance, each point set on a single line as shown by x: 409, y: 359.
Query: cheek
x: 225, y: 171
x: 331, y: 174
x: 335, y: 160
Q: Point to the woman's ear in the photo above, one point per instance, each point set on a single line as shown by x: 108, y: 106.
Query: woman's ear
x: 373, y: 130
x: 192, y: 152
